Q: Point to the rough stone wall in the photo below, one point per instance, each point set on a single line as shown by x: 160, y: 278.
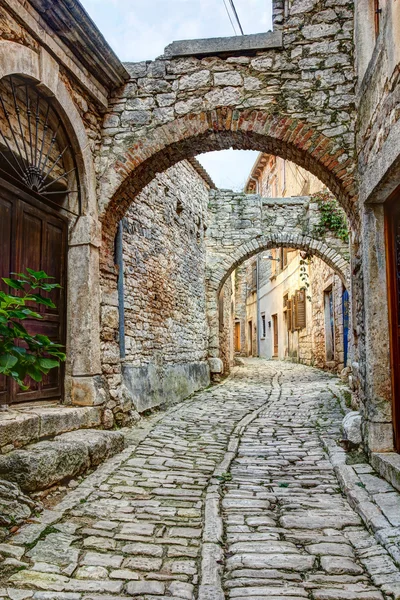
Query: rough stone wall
x: 240, y: 304
x: 378, y: 153
x: 251, y: 308
x: 30, y: 49
x: 312, y: 340
x: 88, y: 109
x: 378, y: 98
x: 165, y: 319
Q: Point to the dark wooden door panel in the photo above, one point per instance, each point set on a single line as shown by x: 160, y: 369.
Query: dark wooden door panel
x: 6, y: 221
x: 33, y: 236
x: 393, y: 260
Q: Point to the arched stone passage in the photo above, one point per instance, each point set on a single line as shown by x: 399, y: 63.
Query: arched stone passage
x: 220, y: 272
x: 219, y: 129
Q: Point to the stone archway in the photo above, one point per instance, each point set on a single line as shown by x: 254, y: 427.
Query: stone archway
x: 220, y: 272
x: 224, y: 127
x: 83, y: 334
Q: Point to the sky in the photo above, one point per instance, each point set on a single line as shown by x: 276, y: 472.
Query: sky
x: 140, y: 29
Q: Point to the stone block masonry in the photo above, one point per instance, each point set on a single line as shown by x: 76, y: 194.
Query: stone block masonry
x: 240, y: 224
x: 164, y: 289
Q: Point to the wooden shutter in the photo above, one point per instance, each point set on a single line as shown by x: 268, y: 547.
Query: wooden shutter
x: 293, y: 304
x: 300, y: 309
x: 289, y: 315
x: 285, y: 301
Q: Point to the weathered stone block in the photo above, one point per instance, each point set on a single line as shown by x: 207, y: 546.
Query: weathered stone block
x: 216, y: 366
x: 100, y: 444
x: 41, y: 465
x: 18, y: 428
x: 352, y: 427
x: 151, y: 385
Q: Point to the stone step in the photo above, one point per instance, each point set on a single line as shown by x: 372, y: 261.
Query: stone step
x: 20, y: 427
x: 46, y: 463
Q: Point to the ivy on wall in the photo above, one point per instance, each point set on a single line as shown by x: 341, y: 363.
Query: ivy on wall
x: 305, y: 260
x: 332, y: 216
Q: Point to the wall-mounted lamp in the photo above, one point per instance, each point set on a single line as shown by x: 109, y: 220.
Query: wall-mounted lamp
x: 271, y: 258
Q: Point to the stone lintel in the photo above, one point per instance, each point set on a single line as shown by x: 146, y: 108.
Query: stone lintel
x: 225, y: 45
x: 285, y: 201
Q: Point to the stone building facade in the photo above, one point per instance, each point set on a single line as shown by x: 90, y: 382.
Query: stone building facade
x: 321, y: 90
x: 39, y: 55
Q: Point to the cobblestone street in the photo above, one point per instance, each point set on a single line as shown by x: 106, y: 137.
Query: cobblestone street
x: 227, y: 495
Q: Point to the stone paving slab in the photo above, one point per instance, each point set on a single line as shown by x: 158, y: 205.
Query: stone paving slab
x: 230, y: 495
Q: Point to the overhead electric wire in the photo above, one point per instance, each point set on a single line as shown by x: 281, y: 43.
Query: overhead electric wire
x: 230, y: 18
x: 236, y: 15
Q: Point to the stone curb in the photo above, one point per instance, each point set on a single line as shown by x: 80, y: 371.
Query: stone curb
x: 212, y: 555
x: 338, y: 391
x: 362, y: 502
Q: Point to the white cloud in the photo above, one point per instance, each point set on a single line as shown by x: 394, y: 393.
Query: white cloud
x: 229, y: 169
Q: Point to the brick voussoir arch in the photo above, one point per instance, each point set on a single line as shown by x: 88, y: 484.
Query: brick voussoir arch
x: 219, y: 129
x: 306, y: 243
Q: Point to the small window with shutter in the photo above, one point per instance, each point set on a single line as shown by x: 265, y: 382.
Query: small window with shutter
x: 300, y: 309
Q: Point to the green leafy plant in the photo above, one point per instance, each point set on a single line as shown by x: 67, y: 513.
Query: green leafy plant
x: 225, y: 477
x: 21, y: 353
x: 306, y: 259
x: 332, y: 216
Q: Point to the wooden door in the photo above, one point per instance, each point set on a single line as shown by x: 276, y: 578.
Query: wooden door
x: 250, y: 341
x: 276, y: 335
x: 393, y: 264
x: 237, y: 337
x: 35, y: 236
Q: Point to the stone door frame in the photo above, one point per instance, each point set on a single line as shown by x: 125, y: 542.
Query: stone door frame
x: 83, y: 368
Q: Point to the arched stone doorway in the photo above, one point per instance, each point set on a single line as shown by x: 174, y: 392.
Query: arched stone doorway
x: 47, y: 117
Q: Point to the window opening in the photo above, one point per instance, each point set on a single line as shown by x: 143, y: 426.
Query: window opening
x: 34, y: 146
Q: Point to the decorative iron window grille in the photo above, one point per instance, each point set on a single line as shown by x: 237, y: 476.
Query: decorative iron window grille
x: 34, y: 145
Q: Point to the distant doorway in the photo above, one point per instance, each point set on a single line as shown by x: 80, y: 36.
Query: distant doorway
x: 329, y: 325
x: 276, y: 335
x: 237, y: 337
x: 250, y: 340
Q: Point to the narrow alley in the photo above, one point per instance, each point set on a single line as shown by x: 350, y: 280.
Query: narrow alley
x: 230, y: 494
